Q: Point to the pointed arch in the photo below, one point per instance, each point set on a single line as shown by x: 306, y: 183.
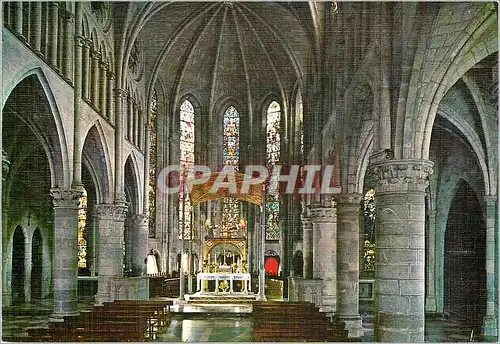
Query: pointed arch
x: 33, y: 102
x: 95, y: 154
x: 132, y: 183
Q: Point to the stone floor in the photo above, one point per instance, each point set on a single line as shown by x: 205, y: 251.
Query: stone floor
x: 220, y: 323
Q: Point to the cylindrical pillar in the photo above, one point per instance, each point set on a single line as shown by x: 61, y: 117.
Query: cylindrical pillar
x: 432, y: 289
x: 136, y: 124
x: 400, y: 257
x: 54, y: 33
x: 307, y: 247
x: 120, y: 95
x: 103, y: 83
x: 65, y: 271
x: 36, y: 26
x: 130, y: 117
x: 110, y: 221
x: 94, y: 94
x: 109, y: 109
x: 140, y: 239
x: 140, y: 131
x: 86, y: 70
x: 325, y: 253
x: 68, y: 47
x: 347, y: 315
x: 18, y: 18
x: 77, y: 96
x: 490, y: 327
x: 126, y: 116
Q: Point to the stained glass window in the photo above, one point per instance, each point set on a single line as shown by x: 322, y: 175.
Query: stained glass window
x: 369, y: 240
x: 230, y: 159
x: 187, y: 163
x: 82, y: 234
x: 231, y: 147
x: 152, y: 165
x: 273, y: 142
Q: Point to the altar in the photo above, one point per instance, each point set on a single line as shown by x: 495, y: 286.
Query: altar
x: 220, y: 277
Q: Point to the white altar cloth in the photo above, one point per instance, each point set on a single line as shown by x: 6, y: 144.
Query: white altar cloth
x: 218, y: 276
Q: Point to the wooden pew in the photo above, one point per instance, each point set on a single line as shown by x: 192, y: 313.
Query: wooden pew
x: 291, y: 321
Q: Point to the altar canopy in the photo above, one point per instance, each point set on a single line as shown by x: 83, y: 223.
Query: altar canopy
x: 202, y: 192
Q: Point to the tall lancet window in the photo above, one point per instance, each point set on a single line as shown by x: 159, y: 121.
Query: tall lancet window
x: 186, y: 163
x: 273, y: 141
x: 230, y: 160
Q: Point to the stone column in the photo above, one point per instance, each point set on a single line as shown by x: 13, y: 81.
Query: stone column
x: 136, y: 124
x: 86, y: 70
x: 141, y: 131
x: 133, y: 124
x: 140, y: 242
x: 307, y: 247
x: 120, y: 95
x: 36, y: 27
x: 347, y: 316
x: 127, y: 114
x: 431, y: 292
x: 110, y: 114
x: 102, y: 88
x: 65, y: 271
x: 68, y: 51
x: 94, y: 95
x: 400, y: 256
x: 18, y: 21
x: 77, y: 98
x: 110, y: 222
x: 490, y: 327
x: 54, y: 33
x: 325, y: 253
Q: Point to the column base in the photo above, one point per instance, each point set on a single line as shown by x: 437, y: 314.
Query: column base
x: 350, y: 325
x: 59, y: 317
x: 328, y: 304
x: 490, y: 329
x: 100, y: 298
x: 430, y: 305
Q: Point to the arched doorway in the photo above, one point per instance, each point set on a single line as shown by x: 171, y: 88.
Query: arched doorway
x: 465, y: 260
x: 18, y: 269
x: 36, y: 266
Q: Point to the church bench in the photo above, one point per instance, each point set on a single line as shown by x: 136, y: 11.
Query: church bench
x: 153, y: 312
x: 161, y: 306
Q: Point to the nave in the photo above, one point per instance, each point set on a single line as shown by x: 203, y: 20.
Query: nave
x: 219, y: 323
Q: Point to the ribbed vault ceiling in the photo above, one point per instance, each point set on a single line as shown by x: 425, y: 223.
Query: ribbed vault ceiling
x: 216, y: 49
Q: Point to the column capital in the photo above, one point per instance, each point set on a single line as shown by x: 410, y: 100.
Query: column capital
x: 321, y: 213
x: 87, y: 43
x: 140, y: 219
x: 116, y: 212
x: 348, y: 199
x: 120, y: 93
x: 96, y: 55
x: 492, y: 199
x: 306, y: 222
x: 66, y: 198
x: 103, y: 65
x: 400, y: 176
x: 79, y: 41
x: 69, y: 16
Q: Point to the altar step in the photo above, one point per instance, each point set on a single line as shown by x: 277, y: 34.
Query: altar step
x: 220, y: 298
